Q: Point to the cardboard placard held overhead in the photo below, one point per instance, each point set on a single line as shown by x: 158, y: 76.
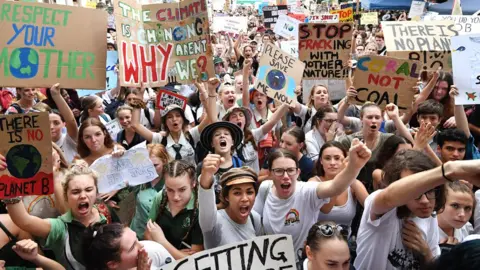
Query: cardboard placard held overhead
x: 466, y: 68
x: 163, y: 43
x: 278, y: 74
x: 271, y: 14
x: 27, y: 148
x: 426, y: 41
x: 346, y: 14
x: 416, y: 9
x: 385, y: 80
x: 233, y: 25
x: 165, y: 98
x: 45, y: 44
x: 286, y: 27
x: 264, y: 252
x: 464, y: 24
x: 325, y: 49
x: 369, y: 18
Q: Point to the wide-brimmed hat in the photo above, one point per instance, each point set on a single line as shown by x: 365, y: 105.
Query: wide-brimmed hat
x: 207, y: 134
x: 173, y: 107
x: 246, y: 112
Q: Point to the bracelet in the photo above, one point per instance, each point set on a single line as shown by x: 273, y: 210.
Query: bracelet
x: 443, y: 174
x: 14, y: 200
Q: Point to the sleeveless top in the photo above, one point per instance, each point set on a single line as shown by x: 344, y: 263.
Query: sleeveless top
x: 343, y: 214
x: 11, y: 258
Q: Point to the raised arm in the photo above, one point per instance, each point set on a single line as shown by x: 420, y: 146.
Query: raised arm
x: 31, y: 224
x: 208, y: 100
x: 342, y: 108
x: 27, y: 249
x: 236, y: 46
x: 277, y: 116
x: 392, y: 112
x: 206, y: 196
x: 65, y: 111
x: 247, y: 64
x: 358, y: 156
x: 137, y: 105
x: 427, y: 90
x: 460, y: 116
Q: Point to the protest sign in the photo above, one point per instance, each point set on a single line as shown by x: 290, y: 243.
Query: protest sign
x: 27, y: 148
x: 425, y: 41
x: 369, y: 18
x: 346, y: 14
x: 230, y: 24
x: 113, y: 127
x: 165, y: 98
x: 385, y: 80
x: 111, y: 74
x: 325, y: 49
x: 416, y: 9
x: 264, y: 252
x: 278, y: 74
x: 286, y: 27
x: 336, y: 89
x: 162, y: 43
x: 290, y: 46
x: 463, y: 24
x: 466, y: 68
x: 46, y: 44
x: 271, y: 13
x: 297, y: 16
x: 133, y: 168
x: 324, y: 18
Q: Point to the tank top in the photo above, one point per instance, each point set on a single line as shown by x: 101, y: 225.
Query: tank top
x: 11, y: 258
x: 343, y: 214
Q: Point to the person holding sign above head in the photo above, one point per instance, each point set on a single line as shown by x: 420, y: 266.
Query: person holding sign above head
x: 291, y: 207
x: 64, y: 234
x: 180, y: 144
x: 173, y: 220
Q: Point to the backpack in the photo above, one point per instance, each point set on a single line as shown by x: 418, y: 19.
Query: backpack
x: 298, y: 121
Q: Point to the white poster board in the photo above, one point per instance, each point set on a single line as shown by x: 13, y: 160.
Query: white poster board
x: 286, y: 26
x: 416, y: 9
x: 463, y: 24
x: 265, y: 252
x: 233, y: 25
x: 113, y: 127
x: 466, y: 68
x: 290, y: 46
x: 324, y: 18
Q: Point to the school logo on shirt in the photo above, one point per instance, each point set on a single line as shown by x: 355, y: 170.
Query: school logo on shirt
x: 186, y: 223
x: 292, y: 217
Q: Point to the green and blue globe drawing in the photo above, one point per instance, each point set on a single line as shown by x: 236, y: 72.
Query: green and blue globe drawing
x: 24, y: 63
x: 276, y: 79
x: 23, y: 161
x: 290, y: 28
x: 179, y: 33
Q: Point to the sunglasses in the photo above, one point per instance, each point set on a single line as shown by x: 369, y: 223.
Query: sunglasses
x: 431, y: 194
x: 329, y: 230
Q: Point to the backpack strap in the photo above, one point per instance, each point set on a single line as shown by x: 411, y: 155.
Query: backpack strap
x: 104, y: 117
x: 164, y: 141
x: 307, y: 117
x: 146, y: 112
x: 252, y: 220
x: 8, y: 233
x: 17, y: 107
x: 237, y: 162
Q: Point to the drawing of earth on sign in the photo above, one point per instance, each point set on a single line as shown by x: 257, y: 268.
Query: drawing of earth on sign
x: 24, y: 63
x: 23, y: 161
x: 179, y: 34
x: 276, y: 79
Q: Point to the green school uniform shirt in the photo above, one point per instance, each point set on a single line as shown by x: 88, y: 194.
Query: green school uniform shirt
x: 144, y: 200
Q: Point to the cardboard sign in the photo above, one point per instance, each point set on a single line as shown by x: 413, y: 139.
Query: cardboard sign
x: 385, y: 80
x: 346, y: 14
x: 413, y: 40
x: 27, y: 148
x: 46, y: 44
x: 325, y: 49
x: 165, y: 98
x: 324, y: 18
x: 369, y: 18
x: 463, y: 24
x: 466, y: 68
x: 416, y: 9
x: 265, y: 252
x: 278, y: 74
x: 111, y: 75
x: 336, y: 88
x: 286, y: 27
x: 133, y: 168
x: 290, y: 46
x: 271, y: 14
x: 233, y: 25
x: 158, y: 44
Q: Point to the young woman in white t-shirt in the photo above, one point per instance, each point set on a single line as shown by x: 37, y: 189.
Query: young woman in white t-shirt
x: 453, y: 220
x: 326, y: 247
x: 319, y: 97
x: 289, y: 206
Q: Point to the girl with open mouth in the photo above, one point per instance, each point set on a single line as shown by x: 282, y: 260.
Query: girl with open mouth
x: 64, y: 234
x: 318, y: 98
x: 228, y: 98
x: 237, y: 222
x: 289, y: 206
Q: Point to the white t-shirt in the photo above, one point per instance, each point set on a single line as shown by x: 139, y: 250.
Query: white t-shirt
x: 379, y: 242
x: 157, y: 253
x: 476, y: 215
x: 69, y: 147
x: 294, y: 216
x: 459, y: 234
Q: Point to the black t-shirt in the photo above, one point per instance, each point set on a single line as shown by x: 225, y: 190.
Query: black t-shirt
x: 137, y: 139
